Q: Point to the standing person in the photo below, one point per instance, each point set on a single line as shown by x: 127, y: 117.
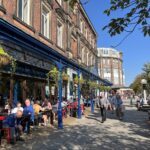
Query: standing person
x: 103, y: 103
x: 112, y: 101
x: 118, y: 104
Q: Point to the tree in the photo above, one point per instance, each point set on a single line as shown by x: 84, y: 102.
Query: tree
x: 137, y: 14
x: 136, y: 85
x: 146, y: 70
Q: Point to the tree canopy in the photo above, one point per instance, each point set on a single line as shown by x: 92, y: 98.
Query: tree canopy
x: 137, y: 14
x: 136, y: 85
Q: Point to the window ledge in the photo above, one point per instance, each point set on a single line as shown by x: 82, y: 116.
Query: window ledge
x: 23, y: 23
x: 44, y: 37
x: 2, y: 9
x: 60, y: 48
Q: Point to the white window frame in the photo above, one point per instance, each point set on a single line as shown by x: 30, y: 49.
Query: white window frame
x: 25, y: 16
x: 60, y: 36
x: 0, y: 2
x: 60, y: 2
x: 81, y: 26
x: 87, y: 55
x: 46, y: 13
x: 91, y: 60
x: 83, y: 52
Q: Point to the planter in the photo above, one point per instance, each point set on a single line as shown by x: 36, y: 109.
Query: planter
x: 65, y: 77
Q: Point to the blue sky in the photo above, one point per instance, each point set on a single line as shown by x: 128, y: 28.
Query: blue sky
x: 136, y: 48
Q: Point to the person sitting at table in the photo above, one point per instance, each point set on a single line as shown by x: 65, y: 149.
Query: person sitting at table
x: 8, y: 107
x: 37, y: 108
x: 13, y: 121
x: 47, y: 106
x: 14, y: 111
x: 28, y: 112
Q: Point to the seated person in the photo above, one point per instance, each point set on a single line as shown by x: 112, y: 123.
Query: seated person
x: 47, y: 106
x: 14, y: 111
x: 37, y: 108
x: 13, y: 121
x: 28, y: 112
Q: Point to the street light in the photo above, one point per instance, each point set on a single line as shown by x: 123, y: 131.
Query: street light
x: 144, y: 83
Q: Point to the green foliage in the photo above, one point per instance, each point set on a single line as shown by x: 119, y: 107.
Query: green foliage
x: 138, y: 14
x: 76, y: 80
x: 136, y: 85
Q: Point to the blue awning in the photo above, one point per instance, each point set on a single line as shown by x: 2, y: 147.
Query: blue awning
x: 11, y: 33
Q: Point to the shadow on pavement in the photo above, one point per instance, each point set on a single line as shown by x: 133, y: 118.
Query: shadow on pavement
x: 92, y: 135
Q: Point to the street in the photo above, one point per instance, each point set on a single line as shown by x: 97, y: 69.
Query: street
x: 89, y: 134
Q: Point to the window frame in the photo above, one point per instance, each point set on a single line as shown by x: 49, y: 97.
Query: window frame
x: 62, y: 28
x: 60, y: 2
x: 83, y: 55
x: 48, y: 13
x: 28, y: 18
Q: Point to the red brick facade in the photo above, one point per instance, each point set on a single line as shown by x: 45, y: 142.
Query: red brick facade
x: 73, y: 38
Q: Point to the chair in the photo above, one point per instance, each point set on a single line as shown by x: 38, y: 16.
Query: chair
x: 64, y: 113
x: 6, y: 133
x: 6, y: 130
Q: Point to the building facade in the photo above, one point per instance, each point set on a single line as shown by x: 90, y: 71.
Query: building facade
x: 45, y: 24
x: 110, y: 66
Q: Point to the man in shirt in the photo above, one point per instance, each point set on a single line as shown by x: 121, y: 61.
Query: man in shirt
x: 103, y: 103
x: 28, y: 113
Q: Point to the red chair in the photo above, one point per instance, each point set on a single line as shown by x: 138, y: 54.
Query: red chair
x: 6, y: 130
x: 64, y: 113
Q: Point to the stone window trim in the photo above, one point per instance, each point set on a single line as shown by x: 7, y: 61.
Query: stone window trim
x: 2, y: 9
x: 45, y: 38
x: 60, y: 5
x: 62, y: 49
x: 23, y: 23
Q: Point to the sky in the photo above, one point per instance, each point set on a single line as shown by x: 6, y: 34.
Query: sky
x: 136, y: 48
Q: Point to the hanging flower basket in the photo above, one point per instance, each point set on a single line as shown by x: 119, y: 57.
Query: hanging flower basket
x: 81, y: 80
x: 5, y: 59
x: 65, y: 76
x: 53, y: 74
x: 76, y: 80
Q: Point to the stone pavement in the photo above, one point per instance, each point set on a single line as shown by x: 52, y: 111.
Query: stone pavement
x: 89, y: 134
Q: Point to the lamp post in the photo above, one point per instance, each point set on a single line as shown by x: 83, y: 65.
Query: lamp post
x: 144, y: 83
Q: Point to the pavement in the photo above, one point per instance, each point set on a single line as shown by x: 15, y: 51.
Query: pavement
x: 89, y: 133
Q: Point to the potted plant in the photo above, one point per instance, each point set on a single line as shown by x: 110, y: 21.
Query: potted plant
x: 76, y: 80
x: 53, y: 74
x: 81, y: 80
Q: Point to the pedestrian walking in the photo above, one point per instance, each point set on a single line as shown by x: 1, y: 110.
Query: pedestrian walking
x: 103, y: 103
x: 119, y: 106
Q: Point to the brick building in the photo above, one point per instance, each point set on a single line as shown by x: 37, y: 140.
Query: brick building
x: 110, y: 66
x: 51, y: 22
